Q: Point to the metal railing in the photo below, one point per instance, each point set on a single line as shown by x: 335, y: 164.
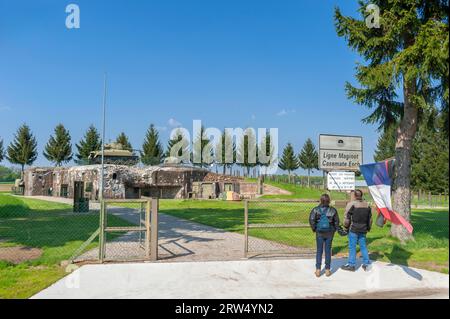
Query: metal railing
x: 277, y: 227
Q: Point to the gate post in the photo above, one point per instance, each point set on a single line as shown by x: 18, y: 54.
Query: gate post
x: 147, y: 229
x: 245, y: 228
x: 101, y: 249
x: 154, y: 230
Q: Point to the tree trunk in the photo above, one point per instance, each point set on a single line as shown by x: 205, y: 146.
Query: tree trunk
x: 309, y: 178
x: 403, y: 148
x: 224, y: 169
x: 289, y: 177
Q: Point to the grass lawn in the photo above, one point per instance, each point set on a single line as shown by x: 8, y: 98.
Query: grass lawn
x: 300, y: 192
x: 428, y: 251
x: 50, y: 227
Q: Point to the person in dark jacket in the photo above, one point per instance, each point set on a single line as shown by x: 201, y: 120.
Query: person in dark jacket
x: 358, y: 222
x: 324, y: 221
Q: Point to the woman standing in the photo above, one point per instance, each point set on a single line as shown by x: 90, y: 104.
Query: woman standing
x: 324, y: 221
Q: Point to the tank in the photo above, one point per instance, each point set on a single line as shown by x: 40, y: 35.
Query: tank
x: 115, y: 153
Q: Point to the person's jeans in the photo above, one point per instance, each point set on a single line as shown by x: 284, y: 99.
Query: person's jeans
x: 323, y: 242
x: 353, y: 240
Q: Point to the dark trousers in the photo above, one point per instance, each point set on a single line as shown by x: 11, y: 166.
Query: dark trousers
x: 323, y: 243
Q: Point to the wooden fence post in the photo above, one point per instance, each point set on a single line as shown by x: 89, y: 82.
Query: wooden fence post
x: 154, y: 230
x: 245, y: 228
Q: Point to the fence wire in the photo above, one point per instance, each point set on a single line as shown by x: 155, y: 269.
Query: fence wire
x: 279, y: 227
x: 53, y: 232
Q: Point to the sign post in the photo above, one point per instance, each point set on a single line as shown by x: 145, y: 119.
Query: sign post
x: 340, y: 156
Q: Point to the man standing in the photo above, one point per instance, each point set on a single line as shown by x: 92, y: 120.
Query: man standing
x: 358, y: 221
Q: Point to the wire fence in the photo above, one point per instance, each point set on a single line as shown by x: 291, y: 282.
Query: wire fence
x: 36, y: 232
x: 278, y: 227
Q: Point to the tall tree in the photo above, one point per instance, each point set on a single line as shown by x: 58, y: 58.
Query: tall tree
x: 91, y: 142
x: 59, y: 148
x: 309, y: 158
x: 226, y: 144
x: 408, y: 52
x: 2, y: 150
x: 247, y: 152
x: 178, y: 146
x: 385, y: 148
x: 266, y: 153
x: 124, y: 141
x: 200, y: 157
x: 23, y: 150
x: 152, y: 150
x: 289, y: 162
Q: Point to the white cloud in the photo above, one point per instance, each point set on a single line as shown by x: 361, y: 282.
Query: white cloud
x: 173, y: 123
x: 161, y: 128
x: 5, y: 108
x: 284, y: 112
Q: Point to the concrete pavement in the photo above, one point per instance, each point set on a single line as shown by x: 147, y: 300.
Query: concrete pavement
x: 259, y: 279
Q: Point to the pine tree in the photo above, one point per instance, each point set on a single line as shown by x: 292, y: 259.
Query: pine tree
x: 178, y: 146
x: 385, y: 148
x: 289, y: 161
x: 266, y: 153
x: 247, y: 156
x: 90, y: 143
x: 200, y: 157
x: 124, y: 141
x: 408, y: 52
x: 309, y: 158
x: 226, y: 145
x: 59, y: 149
x: 152, y: 151
x: 23, y: 150
x: 2, y: 150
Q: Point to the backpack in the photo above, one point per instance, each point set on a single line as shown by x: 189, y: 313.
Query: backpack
x: 323, y: 225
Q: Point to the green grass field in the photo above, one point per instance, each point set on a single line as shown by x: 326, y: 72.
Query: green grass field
x: 300, y: 192
x: 428, y: 251
x: 52, y: 228
x: 48, y: 226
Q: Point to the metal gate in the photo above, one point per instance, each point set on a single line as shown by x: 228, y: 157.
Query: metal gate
x: 128, y: 231
x: 277, y: 227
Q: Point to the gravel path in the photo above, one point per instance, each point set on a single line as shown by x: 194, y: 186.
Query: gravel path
x: 179, y: 240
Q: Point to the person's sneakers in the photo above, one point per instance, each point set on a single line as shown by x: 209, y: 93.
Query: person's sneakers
x: 327, y: 272
x: 366, y: 267
x: 317, y: 273
x: 348, y: 268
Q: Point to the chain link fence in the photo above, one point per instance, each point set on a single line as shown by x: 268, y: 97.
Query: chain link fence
x: 53, y: 232
x: 274, y: 227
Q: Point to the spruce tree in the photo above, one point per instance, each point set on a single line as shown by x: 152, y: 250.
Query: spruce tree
x: 178, y: 146
x: 59, y: 148
x: 247, y: 152
x: 123, y: 140
x: 91, y: 142
x: 385, y: 148
x: 226, y: 151
x: 407, y: 53
x: 23, y: 150
x: 309, y: 158
x: 2, y: 150
x: 266, y: 152
x: 289, y: 161
x: 200, y: 157
x: 152, y: 151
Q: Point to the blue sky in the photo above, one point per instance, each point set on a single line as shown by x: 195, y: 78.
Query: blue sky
x: 228, y: 63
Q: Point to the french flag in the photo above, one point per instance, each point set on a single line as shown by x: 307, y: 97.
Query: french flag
x: 377, y: 176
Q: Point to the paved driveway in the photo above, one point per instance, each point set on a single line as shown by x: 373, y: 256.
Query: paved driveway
x: 179, y: 240
x: 256, y: 279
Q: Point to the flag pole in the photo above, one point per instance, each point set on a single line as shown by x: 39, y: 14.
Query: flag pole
x: 102, y: 179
